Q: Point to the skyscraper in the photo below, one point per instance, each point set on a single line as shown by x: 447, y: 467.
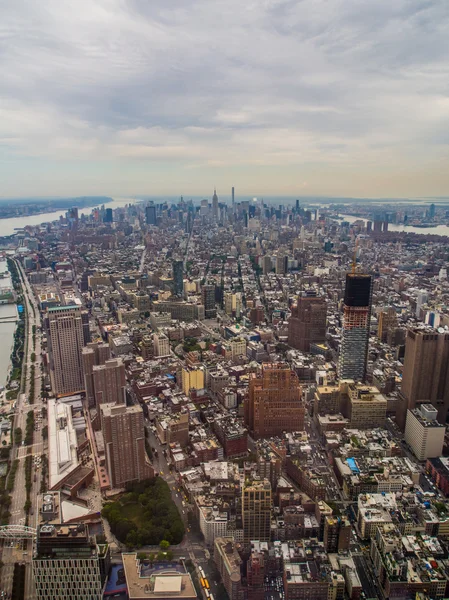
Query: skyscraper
x: 356, y: 325
x: 307, y: 325
x: 208, y: 300
x: 93, y: 354
x: 108, y: 216
x: 124, y: 443
x: 215, y: 206
x: 425, y: 378
x: 256, y: 511
x: 65, y: 341
x: 388, y: 320
x: 150, y: 214
x: 274, y: 402
x: 233, y: 199
x: 67, y: 561
x: 109, y: 382
x: 178, y: 277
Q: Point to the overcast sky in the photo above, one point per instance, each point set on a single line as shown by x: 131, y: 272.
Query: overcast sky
x: 326, y: 97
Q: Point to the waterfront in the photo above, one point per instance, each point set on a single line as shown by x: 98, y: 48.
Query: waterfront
x: 436, y: 230
x: 9, y: 226
x: 6, y: 328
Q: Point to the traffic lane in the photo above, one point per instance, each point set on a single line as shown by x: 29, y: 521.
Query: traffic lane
x: 161, y: 466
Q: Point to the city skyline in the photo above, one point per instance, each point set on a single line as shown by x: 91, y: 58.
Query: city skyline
x: 290, y: 98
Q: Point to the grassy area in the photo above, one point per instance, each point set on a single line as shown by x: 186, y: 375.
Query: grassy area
x: 145, y: 515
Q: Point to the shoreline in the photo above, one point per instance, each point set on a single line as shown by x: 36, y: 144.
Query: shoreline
x: 55, y: 209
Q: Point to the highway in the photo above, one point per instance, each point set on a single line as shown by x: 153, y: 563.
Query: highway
x: 16, y: 554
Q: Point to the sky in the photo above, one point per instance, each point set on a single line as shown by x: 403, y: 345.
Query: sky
x: 304, y: 97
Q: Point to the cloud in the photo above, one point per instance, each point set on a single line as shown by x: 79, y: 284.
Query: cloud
x: 206, y: 87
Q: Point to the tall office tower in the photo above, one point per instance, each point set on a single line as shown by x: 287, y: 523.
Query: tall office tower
x: 178, y: 277
x: 108, y: 216
x: 65, y: 341
x: 356, y: 323
x: 307, y: 324
x: 215, y: 205
x: 425, y: 378
x: 94, y: 353
x: 124, y: 443
x: 150, y: 214
x: 280, y: 265
x: 256, y: 511
x: 266, y: 264
x: 161, y: 345
x: 388, y: 320
x: 274, y: 402
x: 67, y: 562
x: 109, y: 382
x: 208, y: 301
x: 233, y: 199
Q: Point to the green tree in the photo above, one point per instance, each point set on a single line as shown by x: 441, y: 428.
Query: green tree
x: 164, y: 545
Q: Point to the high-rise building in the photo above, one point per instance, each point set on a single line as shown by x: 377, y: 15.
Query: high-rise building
x: 124, y: 444
x: 337, y: 534
x: 178, y: 277
x: 307, y: 324
x: 215, y: 206
x: 388, y: 320
x: 108, y: 216
x: 150, y: 214
x: 94, y: 353
x: 208, y: 301
x: 423, y: 433
x: 256, y: 511
x: 274, y: 402
x: 233, y: 304
x: 356, y: 326
x: 86, y: 327
x: 238, y: 347
x: 425, y: 378
x: 266, y: 264
x: 363, y: 405
x: 256, y: 571
x: 67, y: 562
x: 65, y: 341
x: 109, y: 382
x: 233, y: 199
x: 192, y: 379
x: 228, y: 563
x: 161, y: 344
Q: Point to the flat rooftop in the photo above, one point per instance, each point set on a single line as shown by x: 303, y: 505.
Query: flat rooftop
x: 168, y: 583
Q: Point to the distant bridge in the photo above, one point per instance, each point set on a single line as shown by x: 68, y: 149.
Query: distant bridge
x: 17, y: 532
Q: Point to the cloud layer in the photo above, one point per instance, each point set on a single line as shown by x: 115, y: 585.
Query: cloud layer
x: 337, y: 97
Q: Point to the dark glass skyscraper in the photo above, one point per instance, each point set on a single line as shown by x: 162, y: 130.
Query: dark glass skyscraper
x: 150, y: 214
x: 356, y: 325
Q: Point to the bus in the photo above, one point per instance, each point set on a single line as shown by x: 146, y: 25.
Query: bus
x: 207, y: 593
x: 201, y: 572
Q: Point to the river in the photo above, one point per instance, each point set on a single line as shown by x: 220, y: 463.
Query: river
x: 436, y: 230
x: 6, y: 329
x: 9, y: 226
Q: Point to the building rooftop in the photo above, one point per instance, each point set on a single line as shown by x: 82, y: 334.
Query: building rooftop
x: 164, y: 582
